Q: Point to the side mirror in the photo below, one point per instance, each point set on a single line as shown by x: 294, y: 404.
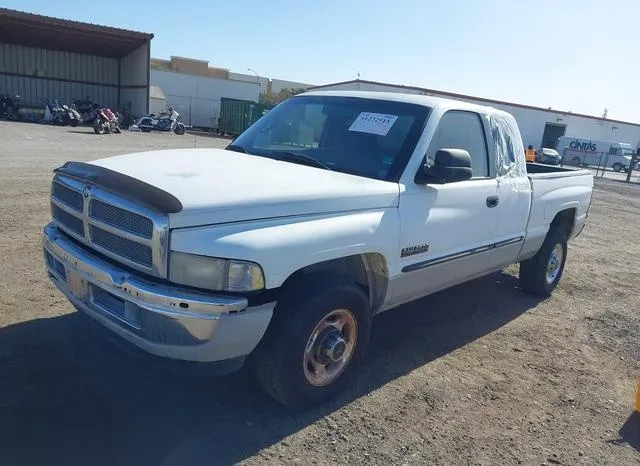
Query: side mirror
x: 449, y: 166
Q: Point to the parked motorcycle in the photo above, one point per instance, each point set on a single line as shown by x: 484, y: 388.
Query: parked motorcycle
x: 87, y: 109
x: 69, y: 116
x: 62, y: 115
x: 9, y: 107
x: 166, y: 121
x: 106, y: 122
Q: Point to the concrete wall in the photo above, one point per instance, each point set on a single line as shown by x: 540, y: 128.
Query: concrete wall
x: 252, y: 78
x: 531, y: 121
x: 197, y: 98
x: 134, y: 84
x: 38, y: 75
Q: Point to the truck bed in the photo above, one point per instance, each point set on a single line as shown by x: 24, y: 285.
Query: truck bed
x: 554, y: 189
x: 539, y: 170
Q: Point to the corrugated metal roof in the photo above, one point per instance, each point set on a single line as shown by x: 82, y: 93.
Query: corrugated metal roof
x: 22, y: 28
x: 479, y: 99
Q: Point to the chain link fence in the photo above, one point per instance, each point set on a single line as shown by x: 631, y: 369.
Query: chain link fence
x: 605, y: 164
x: 197, y: 112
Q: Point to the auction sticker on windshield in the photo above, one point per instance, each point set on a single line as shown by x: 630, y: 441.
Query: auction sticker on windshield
x: 373, y: 123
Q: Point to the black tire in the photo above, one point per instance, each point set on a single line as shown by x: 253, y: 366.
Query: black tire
x: 279, y: 359
x: 534, y: 276
x: 617, y: 167
x: 576, y: 161
x: 179, y: 129
x: 73, y: 123
x: 98, y: 128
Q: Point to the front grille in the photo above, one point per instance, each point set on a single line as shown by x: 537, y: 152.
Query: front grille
x: 121, y: 218
x: 66, y: 220
x: 114, y: 226
x: 131, y: 250
x: 70, y: 197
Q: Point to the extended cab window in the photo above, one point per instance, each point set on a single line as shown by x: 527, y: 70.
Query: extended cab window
x: 366, y: 137
x: 462, y: 130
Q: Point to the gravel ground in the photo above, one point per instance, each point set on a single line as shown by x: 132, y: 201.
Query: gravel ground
x: 480, y: 374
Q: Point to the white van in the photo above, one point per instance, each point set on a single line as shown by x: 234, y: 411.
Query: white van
x: 591, y: 152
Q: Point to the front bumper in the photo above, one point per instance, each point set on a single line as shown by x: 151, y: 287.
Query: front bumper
x: 161, y: 319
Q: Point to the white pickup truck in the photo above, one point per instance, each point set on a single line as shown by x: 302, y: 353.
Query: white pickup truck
x: 278, y: 250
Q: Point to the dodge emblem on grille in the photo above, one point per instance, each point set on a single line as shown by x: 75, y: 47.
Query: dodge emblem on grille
x: 86, y: 191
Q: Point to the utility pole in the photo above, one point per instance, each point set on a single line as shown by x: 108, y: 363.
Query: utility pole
x: 634, y: 159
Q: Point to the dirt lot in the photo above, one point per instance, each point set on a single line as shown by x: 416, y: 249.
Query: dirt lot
x: 481, y: 374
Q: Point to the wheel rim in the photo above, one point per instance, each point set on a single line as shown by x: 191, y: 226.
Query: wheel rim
x: 554, y: 263
x: 330, y: 347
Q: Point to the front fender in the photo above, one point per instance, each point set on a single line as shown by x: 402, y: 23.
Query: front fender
x: 284, y: 245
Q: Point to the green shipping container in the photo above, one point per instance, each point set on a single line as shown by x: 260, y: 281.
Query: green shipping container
x: 238, y: 115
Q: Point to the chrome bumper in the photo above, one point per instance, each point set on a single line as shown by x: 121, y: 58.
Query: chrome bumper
x: 161, y: 319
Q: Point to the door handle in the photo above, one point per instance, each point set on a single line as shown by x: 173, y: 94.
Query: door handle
x: 492, y: 201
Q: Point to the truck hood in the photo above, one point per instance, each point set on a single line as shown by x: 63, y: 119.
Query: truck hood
x: 220, y: 186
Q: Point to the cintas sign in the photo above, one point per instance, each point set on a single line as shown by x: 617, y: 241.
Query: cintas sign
x: 586, y: 146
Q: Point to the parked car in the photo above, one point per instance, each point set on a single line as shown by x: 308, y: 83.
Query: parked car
x: 333, y: 207
x: 548, y: 156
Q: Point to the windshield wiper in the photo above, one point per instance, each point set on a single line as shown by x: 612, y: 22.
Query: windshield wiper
x: 298, y: 157
x: 237, y: 148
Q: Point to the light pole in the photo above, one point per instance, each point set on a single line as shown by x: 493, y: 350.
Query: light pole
x: 257, y: 75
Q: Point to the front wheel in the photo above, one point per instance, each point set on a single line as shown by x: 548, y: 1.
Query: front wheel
x: 98, y: 127
x: 617, y: 167
x: 316, y: 340
x: 541, y: 274
x: 179, y: 129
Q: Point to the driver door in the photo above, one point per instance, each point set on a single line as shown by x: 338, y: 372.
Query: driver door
x: 447, y: 230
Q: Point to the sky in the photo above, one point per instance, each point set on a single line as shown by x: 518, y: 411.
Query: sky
x: 571, y: 55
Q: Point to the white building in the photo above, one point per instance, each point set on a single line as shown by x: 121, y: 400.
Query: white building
x: 540, y: 127
x: 197, y: 98
x: 269, y: 86
x: 157, y: 100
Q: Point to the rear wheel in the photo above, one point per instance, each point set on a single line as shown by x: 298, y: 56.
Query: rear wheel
x: 541, y: 274
x: 576, y: 161
x: 316, y: 340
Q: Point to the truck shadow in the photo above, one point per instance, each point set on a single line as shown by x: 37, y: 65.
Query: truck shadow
x: 630, y: 432
x: 68, y: 396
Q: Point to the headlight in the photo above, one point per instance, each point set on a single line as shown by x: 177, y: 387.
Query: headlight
x: 215, y: 274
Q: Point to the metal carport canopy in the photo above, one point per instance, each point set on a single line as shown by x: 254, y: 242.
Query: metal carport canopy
x: 17, y: 27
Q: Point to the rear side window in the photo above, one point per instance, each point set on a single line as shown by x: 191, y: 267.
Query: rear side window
x: 462, y: 130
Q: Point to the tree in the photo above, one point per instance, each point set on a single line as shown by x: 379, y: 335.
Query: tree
x: 275, y: 99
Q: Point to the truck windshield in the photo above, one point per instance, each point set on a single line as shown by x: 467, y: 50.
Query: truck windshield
x: 626, y: 151
x: 366, y: 137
